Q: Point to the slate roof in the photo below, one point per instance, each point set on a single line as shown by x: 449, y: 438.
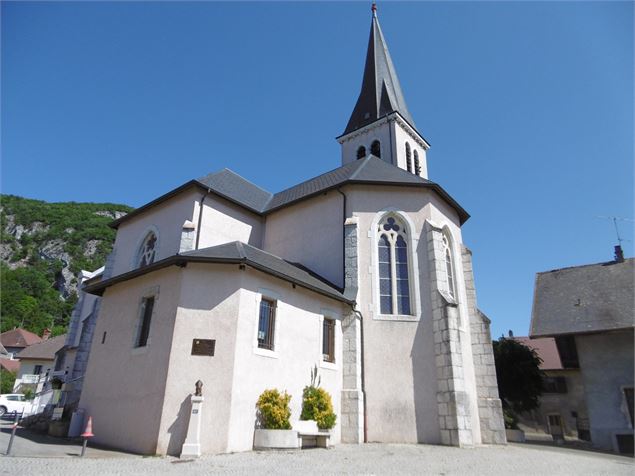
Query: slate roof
x: 44, y: 350
x: 232, y: 186
x: 238, y: 253
x: 19, y: 338
x: 583, y: 299
x: 381, y: 92
x: 546, y: 349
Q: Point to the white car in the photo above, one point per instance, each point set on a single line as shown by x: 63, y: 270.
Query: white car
x: 12, y: 402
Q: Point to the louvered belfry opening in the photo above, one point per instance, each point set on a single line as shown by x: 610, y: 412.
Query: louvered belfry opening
x: 266, y: 324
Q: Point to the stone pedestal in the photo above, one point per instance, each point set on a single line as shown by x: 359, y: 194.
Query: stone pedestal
x: 192, y: 445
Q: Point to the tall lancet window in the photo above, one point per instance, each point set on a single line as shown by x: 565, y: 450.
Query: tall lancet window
x: 375, y: 149
x: 449, y: 266
x: 394, y: 282
x: 361, y: 152
x: 147, y: 251
x: 417, y: 164
x: 408, y: 158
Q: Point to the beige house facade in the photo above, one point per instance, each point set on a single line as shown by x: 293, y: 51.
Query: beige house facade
x: 361, y: 271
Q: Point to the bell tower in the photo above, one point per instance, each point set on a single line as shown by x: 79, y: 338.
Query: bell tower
x: 381, y: 124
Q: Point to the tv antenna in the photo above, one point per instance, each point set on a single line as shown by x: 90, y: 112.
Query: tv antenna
x: 617, y: 230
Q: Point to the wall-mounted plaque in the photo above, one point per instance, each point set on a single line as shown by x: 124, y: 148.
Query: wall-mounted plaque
x: 203, y: 346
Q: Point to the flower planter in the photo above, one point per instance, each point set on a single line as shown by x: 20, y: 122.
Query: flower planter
x: 275, y: 439
x: 515, y: 436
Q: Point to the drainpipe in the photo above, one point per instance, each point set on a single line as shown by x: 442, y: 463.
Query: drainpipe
x: 363, y: 378
x: 200, y: 218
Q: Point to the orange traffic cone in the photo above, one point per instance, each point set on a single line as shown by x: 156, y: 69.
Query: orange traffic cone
x: 88, y: 432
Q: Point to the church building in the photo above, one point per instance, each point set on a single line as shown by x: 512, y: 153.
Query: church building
x: 361, y: 271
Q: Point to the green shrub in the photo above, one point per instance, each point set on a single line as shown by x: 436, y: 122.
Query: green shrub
x: 317, y: 405
x: 274, y: 410
x: 7, y: 379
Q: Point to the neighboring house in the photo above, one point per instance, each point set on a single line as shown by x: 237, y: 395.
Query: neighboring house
x: 589, y: 310
x: 36, y: 360
x: 7, y: 362
x: 361, y: 270
x: 562, y: 409
x: 73, y: 356
x: 15, y: 340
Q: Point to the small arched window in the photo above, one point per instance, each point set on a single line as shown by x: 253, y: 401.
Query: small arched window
x: 147, y: 251
x: 361, y: 152
x: 375, y: 148
x: 449, y: 266
x: 417, y: 164
x: 394, y: 274
x: 408, y: 158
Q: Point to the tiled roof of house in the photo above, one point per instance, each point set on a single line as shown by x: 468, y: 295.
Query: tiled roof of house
x: 44, y: 350
x: 19, y: 338
x: 367, y: 171
x: 239, y: 253
x: 582, y: 299
x: 546, y: 349
x: 10, y: 365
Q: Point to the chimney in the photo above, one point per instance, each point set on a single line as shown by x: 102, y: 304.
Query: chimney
x: 510, y: 333
x: 46, y: 334
x: 619, y: 254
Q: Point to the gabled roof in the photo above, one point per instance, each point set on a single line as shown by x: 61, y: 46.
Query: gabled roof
x: 546, y: 349
x: 44, y: 350
x: 19, y: 338
x: 236, y: 252
x: 369, y: 170
x: 11, y: 365
x: 381, y: 92
x: 583, y: 299
x: 232, y: 186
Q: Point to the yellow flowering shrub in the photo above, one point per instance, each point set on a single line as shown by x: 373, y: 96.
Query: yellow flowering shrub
x: 274, y: 409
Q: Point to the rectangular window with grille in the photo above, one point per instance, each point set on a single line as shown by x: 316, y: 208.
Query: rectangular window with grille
x: 147, y: 305
x: 266, y: 324
x: 328, y: 340
x: 554, y: 385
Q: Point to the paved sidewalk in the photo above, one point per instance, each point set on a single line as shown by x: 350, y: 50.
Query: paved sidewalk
x: 369, y: 459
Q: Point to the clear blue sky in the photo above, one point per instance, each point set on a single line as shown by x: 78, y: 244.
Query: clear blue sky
x: 528, y: 107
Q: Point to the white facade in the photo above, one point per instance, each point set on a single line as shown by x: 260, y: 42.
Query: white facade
x: 384, y: 260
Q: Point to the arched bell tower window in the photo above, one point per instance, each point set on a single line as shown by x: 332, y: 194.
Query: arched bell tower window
x: 417, y: 164
x: 361, y: 152
x: 394, y: 274
x: 449, y: 266
x: 408, y: 158
x: 147, y: 251
x: 375, y: 148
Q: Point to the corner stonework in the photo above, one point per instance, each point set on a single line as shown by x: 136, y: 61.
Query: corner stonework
x: 352, y: 398
x: 490, y: 410
x: 452, y: 399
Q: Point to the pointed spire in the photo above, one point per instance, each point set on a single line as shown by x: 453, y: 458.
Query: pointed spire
x: 381, y: 92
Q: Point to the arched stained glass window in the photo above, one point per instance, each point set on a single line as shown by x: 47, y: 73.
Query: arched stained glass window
x: 375, y: 148
x: 449, y: 266
x: 147, y: 251
x: 408, y: 158
x: 417, y: 164
x: 394, y: 272
x: 361, y: 152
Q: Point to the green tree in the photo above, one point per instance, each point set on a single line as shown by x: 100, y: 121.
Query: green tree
x: 519, y: 375
x: 7, y: 379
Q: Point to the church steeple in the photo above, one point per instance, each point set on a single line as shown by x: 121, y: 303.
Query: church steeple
x: 381, y: 124
x: 381, y: 92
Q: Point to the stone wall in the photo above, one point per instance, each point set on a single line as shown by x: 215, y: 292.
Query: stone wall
x: 490, y: 410
x: 452, y: 399
x: 352, y: 406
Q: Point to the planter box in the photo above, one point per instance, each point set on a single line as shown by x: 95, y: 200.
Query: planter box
x: 276, y: 439
x: 515, y: 436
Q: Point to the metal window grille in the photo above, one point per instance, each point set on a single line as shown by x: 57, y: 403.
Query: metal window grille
x: 146, y: 312
x: 266, y: 324
x: 417, y: 163
x: 408, y: 158
x: 328, y: 340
